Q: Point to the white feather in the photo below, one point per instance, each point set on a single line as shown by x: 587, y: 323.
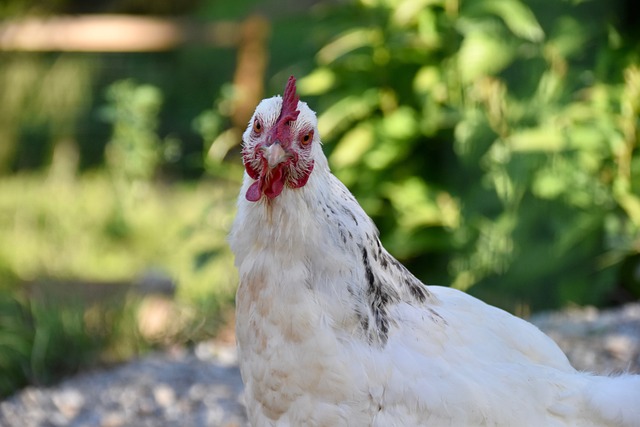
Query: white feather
x: 312, y: 351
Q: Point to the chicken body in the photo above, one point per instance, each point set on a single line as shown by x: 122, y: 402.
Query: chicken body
x: 333, y: 331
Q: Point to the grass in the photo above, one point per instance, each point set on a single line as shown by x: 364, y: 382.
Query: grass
x: 80, y: 230
x: 66, y: 245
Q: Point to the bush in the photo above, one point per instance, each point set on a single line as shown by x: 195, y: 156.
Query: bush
x: 496, y: 151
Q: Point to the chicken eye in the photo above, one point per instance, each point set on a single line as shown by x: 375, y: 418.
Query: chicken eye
x: 257, y: 126
x: 306, y: 138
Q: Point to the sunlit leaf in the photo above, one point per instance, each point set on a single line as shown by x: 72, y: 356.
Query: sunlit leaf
x: 483, y: 54
x: 547, y: 139
x: 427, y: 79
x: 415, y: 203
x: 428, y: 29
x: 352, y: 146
x: 518, y: 17
x: 401, y: 124
x: 548, y: 185
x: 347, y: 42
x: 344, y: 112
x: 382, y: 156
x: 408, y: 10
x: 318, y: 82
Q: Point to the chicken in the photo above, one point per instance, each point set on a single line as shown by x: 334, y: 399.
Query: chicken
x: 333, y: 331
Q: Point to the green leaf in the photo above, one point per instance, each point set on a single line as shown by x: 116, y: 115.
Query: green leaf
x: 483, y: 54
x: 344, y: 112
x: 517, y: 17
x: 427, y: 79
x: 401, y: 124
x: 407, y: 11
x: 348, y: 42
x: 353, y: 145
x: 415, y: 203
x: 546, y: 139
x: 319, y: 82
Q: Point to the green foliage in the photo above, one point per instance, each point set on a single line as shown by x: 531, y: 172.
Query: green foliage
x: 105, y: 229
x: 40, y: 104
x: 42, y: 340
x: 15, y: 343
x: 60, y: 342
x: 494, y: 142
x: 64, y: 230
x: 133, y: 153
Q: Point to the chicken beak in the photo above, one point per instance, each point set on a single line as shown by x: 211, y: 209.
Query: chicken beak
x: 274, y: 154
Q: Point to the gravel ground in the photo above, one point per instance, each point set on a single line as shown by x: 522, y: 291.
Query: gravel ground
x: 202, y: 387
x: 604, y: 342
x: 180, y: 388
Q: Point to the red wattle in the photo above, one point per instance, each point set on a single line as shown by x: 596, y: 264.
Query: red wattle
x: 273, y: 183
x: 270, y: 185
x: 302, y: 180
x: 253, y: 172
x: 253, y: 193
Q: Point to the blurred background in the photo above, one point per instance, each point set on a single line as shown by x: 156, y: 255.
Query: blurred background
x: 494, y: 142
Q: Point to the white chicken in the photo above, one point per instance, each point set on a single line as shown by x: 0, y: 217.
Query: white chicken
x: 334, y: 331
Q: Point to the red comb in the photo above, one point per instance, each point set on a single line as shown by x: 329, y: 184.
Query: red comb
x: 289, y: 111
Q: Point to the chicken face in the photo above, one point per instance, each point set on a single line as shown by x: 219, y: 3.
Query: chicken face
x: 277, y: 145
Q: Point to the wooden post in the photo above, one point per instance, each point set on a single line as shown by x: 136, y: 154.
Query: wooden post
x: 251, y: 66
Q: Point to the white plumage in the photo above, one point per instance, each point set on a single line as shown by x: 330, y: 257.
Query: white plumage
x: 333, y: 331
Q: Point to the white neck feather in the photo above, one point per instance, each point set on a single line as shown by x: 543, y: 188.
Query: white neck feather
x: 300, y: 221
x: 318, y: 237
